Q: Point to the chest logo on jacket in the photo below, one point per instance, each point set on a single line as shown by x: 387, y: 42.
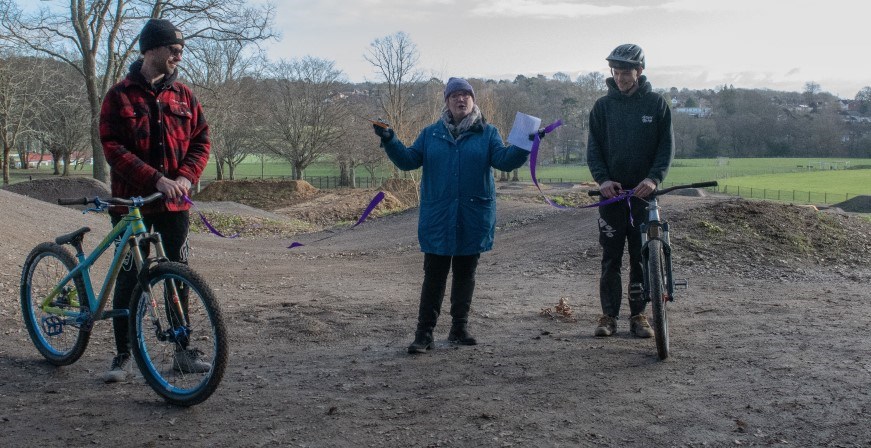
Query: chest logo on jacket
x: 647, y: 118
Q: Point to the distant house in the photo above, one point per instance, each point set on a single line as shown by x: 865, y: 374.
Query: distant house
x: 698, y: 112
x: 35, y: 160
x: 852, y: 116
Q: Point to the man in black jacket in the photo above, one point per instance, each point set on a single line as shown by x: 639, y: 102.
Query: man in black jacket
x: 630, y: 146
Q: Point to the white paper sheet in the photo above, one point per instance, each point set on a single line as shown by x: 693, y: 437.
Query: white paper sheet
x: 523, y: 126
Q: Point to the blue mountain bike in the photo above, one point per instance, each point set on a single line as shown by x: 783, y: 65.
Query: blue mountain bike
x: 172, y: 311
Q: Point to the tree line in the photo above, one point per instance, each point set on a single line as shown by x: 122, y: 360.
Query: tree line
x: 55, y: 69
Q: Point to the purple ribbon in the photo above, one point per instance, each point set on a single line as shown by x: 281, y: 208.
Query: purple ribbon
x: 372, y: 204
x: 624, y: 195
x: 206, y: 221
x: 533, y: 157
x: 369, y: 208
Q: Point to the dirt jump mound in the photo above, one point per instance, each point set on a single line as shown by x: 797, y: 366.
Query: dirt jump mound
x: 49, y: 190
x: 298, y: 200
x: 858, y: 204
x: 757, y: 238
x: 262, y: 194
x: 343, y: 206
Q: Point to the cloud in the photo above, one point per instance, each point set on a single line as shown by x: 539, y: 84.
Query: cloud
x: 717, y: 6
x: 544, y: 9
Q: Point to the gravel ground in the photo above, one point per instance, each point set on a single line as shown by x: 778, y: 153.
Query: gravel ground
x: 769, y: 342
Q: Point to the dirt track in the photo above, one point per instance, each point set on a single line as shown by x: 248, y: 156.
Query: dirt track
x: 773, y: 353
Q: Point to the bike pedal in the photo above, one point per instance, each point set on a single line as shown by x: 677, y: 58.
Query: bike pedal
x: 53, y: 325
x: 681, y: 284
x: 115, y: 313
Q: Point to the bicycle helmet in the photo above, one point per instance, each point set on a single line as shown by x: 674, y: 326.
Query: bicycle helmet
x: 626, y: 56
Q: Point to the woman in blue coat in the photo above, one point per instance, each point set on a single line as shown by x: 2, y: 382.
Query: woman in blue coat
x: 457, y: 204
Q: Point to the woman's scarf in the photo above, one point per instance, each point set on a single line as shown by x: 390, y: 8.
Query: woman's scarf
x: 467, y: 123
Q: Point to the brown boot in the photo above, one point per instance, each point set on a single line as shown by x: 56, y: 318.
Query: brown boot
x: 422, y: 342
x: 639, y: 326
x: 606, y: 326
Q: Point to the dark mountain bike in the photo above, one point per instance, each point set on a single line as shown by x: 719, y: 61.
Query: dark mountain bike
x: 659, y: 283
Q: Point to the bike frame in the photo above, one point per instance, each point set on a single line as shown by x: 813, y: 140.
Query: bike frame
x: 131, y: 228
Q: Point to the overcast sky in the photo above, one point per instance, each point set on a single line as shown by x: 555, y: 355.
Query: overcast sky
x: 696, y: 44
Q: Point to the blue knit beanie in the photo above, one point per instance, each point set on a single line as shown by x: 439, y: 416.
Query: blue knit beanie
x: 457, y: 84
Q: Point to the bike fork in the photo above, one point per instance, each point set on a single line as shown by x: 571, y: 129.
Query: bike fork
x: 176, y: 332
x: 661, y: 233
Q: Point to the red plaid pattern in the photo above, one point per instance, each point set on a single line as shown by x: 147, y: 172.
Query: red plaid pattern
x: 147, y: 135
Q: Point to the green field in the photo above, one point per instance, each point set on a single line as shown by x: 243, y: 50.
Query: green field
x: 810, y: 180
x: 813, y: 180
x: 852, y: 182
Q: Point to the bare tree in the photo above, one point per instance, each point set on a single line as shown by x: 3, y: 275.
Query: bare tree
x: 395, y: 59
x: 863, y: 96
x: 224, y: 74
x: 61, y: 123
x: 22, y: 83
x: 587, y: 89
x: 811, y: 89
x: 305, y: 111
x: 99, y: 37
x: 561, y: 77
x: 358, y: 147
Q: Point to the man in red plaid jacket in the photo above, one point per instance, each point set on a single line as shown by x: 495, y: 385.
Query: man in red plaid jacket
x: 155, y: 138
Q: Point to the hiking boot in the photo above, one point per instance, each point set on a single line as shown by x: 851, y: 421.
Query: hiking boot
x: 190, y: 361
x: 607, y: 326
x: 422, y: 342
x: 460, y: 335
x: 639, y: 326
x: 120, y: 370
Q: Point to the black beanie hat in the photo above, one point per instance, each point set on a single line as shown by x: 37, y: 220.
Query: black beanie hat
x: 158, y: 33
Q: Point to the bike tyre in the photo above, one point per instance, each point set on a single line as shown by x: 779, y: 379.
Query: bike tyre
x: 40, y: 274
x: 658, y: 296
x: 146, y: 352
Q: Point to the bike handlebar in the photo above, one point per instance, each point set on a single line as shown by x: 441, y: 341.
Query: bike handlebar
x: 132, y: 202
x: 711, y: 183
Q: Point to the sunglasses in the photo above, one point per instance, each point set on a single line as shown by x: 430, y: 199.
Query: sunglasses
x: 176, y: 52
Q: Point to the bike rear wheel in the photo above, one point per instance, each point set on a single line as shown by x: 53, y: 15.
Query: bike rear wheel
x: 59, y: 338
x: 178, y: 334
x: 658, y: 294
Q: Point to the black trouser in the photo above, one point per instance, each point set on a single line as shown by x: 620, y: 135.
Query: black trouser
x: 173, y: 228
x: 435, y: 278
x: 614, y: 230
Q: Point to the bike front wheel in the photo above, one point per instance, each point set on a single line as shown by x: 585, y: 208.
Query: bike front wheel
x: 658, y: 294
x: 59, y: 336
x: 178, y: 334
